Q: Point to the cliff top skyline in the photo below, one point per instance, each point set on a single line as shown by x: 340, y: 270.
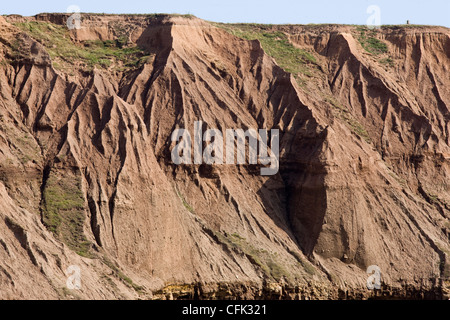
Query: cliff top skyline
x: 434, y: 12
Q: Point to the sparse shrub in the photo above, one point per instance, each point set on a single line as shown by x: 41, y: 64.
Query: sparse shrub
x: 265, y: 260
x: 354, y: 125
x: 387, y: 61
x: 118, y: 273
x: 185, y: 204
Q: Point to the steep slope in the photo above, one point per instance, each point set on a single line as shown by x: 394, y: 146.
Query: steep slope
x: 87, y: 177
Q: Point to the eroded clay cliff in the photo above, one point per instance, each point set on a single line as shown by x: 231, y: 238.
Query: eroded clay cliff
x: 86, y: 176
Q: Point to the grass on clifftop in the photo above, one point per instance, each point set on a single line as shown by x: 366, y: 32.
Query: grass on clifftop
x: 369, y: 42
x: 378, y: 48
x: 89, y: 54
x: 151, y: 15
x: 276, y: 44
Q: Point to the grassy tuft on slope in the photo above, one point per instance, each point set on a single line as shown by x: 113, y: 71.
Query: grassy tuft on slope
x: 89, y: 54
x: 369, y: 42
x: 277, y: 45
x: 63, y: 212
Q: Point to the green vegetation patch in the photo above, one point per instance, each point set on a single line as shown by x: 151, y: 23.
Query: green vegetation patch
x: 118, y: 273
x: 148, y: 15
x: 405, y: 26
x: 26, y: 148
x: 307, y: 266
x: 354, y: 125
x: 387, y: 61
x: 367, y: 39
x: 262, y: 258
x: 277, y: 45
x: 185, y: 203
x: 65, y: 53
x: 63, y: 212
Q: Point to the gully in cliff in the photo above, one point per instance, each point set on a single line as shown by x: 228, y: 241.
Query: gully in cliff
x: 213, y: 152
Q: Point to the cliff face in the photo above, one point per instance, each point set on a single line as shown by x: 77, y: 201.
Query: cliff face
x: 86, y: 176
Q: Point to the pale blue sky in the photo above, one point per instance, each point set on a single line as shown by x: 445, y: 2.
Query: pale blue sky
x: 431, y: 12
